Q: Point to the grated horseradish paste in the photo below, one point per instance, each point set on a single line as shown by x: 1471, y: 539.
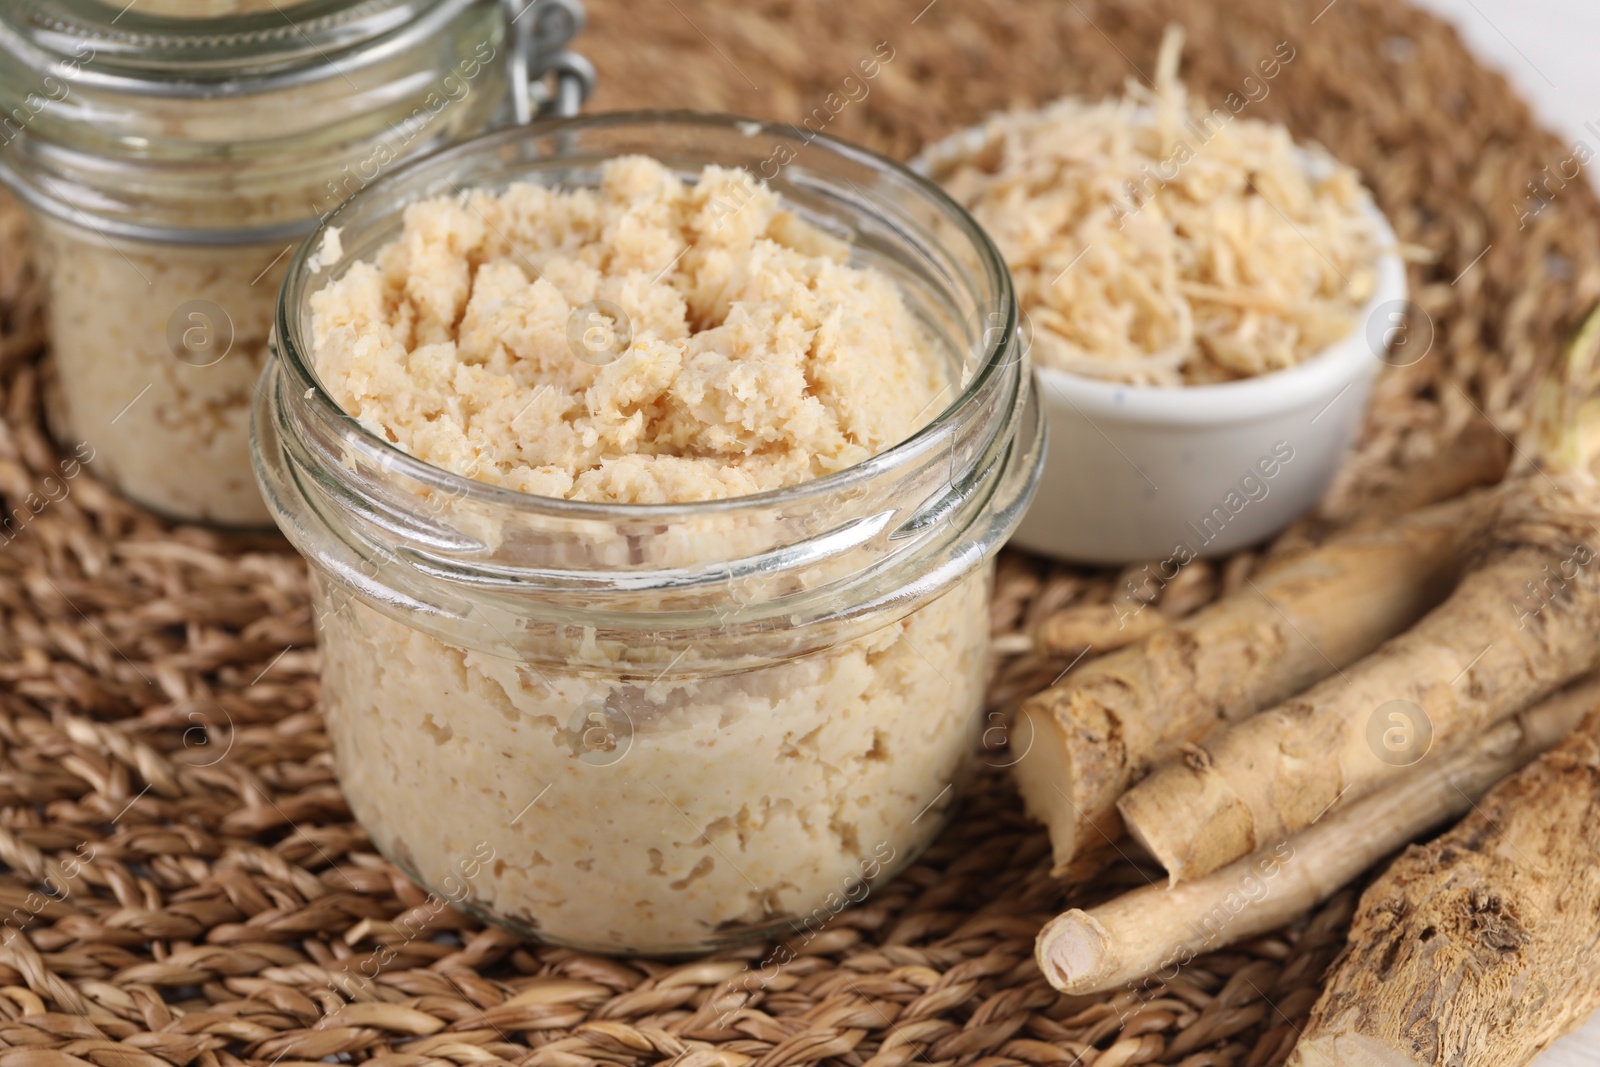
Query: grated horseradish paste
x: 169, y: 423
x: 758, y: 358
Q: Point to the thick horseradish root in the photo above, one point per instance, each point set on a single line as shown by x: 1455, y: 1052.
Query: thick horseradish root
x: 1153, y: 931
x: 1480, y: 948
x: 1517, y: 627
x: 1104, y: 726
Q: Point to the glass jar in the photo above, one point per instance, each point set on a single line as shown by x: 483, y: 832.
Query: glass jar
x: 172, y: 156
x: 661, y: 728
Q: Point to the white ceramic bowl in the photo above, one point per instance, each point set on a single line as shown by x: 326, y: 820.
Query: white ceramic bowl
x: 1146, y: 473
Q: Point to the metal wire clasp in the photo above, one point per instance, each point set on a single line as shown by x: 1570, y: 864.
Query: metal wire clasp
x: 546, y: 78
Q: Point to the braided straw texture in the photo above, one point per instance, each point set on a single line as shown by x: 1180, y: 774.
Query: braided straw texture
x: 164, y: 773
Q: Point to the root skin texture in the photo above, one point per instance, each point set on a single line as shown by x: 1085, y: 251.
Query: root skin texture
x: 1518, y: 626
x: 1155, y: 932
x: 1102, y: 727
x: 1480, y: 948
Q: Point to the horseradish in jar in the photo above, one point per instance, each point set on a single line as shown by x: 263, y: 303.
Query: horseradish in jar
x: 651, y: 469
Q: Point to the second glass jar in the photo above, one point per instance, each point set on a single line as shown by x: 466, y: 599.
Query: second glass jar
x: 172, y: 159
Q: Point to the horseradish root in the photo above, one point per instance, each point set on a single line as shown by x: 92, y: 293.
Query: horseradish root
x: 1518, y: 626
x: 1155, y: 931
x: 1103, y: 726
x: 1479, y: 948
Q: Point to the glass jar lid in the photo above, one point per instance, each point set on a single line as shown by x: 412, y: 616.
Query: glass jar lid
x: 211, y: 47
x: 233, y: 121
x: 234, y: 128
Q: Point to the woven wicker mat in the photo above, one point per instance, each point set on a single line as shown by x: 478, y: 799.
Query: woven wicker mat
x: 164, y: 763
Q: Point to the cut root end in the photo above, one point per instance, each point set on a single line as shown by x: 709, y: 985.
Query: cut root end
x: 1072, y: 952
x: 1347, y: 1050
x: 1044, y: 778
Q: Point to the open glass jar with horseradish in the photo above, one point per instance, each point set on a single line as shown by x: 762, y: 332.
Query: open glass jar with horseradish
x: 173, y: 153
x: 650, y: 467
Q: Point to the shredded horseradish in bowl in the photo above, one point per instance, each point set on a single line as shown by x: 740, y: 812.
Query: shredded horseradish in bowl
x: 1155, y: 242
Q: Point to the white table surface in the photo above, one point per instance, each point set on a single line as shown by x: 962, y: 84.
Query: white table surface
x: 1550, y: 49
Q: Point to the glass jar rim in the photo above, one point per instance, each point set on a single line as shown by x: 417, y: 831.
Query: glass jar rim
x: 225, y: 55
x: 294, y: 347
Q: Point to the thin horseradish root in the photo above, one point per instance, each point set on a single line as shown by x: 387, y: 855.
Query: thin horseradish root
x: 1152, y: 931
x: 1517, y: 627
x: 1102, y: 727
x: 1477, y: 949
